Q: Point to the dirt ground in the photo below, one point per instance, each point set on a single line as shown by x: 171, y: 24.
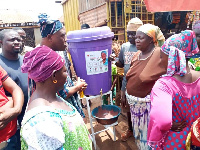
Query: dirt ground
x: 104, y: 139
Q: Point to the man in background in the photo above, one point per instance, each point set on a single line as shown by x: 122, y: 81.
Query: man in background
x: 22, y: 34
x: 126, y: 54
x: 11, y: 61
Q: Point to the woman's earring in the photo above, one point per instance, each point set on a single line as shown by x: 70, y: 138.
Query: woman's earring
x: 55, y: 81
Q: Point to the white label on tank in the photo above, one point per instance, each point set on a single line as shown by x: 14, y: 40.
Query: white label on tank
x: 96, y: 62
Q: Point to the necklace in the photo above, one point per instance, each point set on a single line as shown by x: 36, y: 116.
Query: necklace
x: 147, y: 56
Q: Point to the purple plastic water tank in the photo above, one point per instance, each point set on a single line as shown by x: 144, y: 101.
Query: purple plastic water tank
x: 89, y: 49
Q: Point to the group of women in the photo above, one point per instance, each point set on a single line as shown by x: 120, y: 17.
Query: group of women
x: 163, y: 90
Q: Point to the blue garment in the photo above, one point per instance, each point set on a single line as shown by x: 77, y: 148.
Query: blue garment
x: 13, y: 143
x: 196, y: 56
x: 48, y: 26
x: 67, y: 64
x: 13, y: 68
x: 73, y: 100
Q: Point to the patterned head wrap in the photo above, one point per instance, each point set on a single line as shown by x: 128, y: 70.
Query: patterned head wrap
x: 196, y: 25
x: 48, y: 26
x: 154, y: 32
x: 134, y: 24
x: 41, y: 62
x: 179, y: 47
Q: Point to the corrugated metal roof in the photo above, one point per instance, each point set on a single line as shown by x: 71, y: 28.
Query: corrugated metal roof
x: 17, y: 16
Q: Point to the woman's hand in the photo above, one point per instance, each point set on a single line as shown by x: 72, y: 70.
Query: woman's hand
x: 81, y: 84
x: 178, y: 126
x: 123, y: 99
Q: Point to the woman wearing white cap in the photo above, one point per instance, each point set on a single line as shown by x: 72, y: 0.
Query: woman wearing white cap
x: 126, y: 54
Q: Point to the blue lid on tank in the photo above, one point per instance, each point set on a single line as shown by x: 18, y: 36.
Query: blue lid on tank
x: 89, y: 34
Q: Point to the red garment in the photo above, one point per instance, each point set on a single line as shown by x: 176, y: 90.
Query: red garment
x: 195, y: 130
x: 171, y: 5
x: 11, y: 127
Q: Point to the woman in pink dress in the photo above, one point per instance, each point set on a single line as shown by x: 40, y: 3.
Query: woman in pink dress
x: 175, y: 97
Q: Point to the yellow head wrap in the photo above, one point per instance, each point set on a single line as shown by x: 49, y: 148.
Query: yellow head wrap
x: 154, y: 32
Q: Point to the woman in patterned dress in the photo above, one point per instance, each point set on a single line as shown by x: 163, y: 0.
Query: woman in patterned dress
x: 50, y: 123
x: 175, y: 97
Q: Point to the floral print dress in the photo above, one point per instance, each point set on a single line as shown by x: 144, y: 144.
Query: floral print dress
x: 47, y: 128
